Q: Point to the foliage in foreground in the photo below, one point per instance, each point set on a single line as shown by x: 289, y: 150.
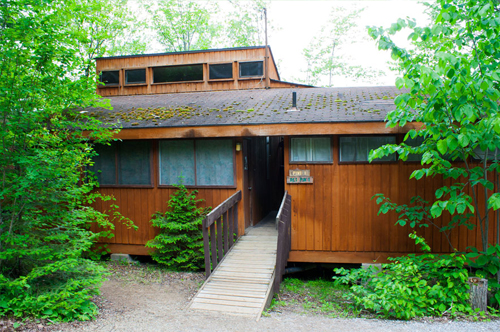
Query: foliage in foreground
x: 179, y: 245
x: 45, y: 197
x: 411, y: 286
x: 452, y: 79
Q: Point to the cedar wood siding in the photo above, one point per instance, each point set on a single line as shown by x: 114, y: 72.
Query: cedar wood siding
x: 140, y: 204
x: 186, y: 58
x: 334, y: 220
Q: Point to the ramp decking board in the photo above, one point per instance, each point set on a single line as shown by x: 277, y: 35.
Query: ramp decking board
x: 242, y: 281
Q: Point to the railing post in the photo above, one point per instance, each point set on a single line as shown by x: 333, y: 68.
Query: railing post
x: 283, y: 219
x: 226, y: 229
x: 224, y: 219
x: 206, y: 248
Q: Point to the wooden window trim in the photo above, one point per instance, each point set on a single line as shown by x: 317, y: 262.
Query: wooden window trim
x: 366, y: 162
x: 103, y: 86
x: 125, y: 84
x: 215, y: 80
x: 290, y: 162
x: 177, y: 82
x: 247, y: 78
x: 196, y: 186
x: 251, y: 77
x: 220, y: 79
x: 100, y: 86
x: 135, y: 84
x: 133, y: 186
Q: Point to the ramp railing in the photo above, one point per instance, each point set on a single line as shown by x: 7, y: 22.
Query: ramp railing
x: 219, y: 229
x: 284, y: 223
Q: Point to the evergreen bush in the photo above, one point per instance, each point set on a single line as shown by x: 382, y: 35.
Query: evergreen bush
x: 179, y: 246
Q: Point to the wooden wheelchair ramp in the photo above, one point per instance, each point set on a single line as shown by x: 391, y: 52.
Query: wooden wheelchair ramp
x: 242, y: 282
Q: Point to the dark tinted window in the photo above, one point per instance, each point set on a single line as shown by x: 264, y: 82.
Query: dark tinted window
x: 358, y: 148
x: 178, y: 73
x: 104, y: 163
x: 110, y: 77
x: 123, y: 163
x: 135, y: 76
x: 255, y: 68
x: 224, y: 70
x: 417, y: 141
x: 134, y: 162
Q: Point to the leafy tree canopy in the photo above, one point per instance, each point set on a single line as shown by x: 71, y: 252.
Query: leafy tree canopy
x: 183, y: 25
x: 451, y: 76
x: 45, y: 192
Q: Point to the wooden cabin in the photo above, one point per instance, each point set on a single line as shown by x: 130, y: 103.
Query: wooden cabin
x: 211, y: 117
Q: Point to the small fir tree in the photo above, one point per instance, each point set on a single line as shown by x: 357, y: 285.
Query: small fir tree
x: 179, y: 245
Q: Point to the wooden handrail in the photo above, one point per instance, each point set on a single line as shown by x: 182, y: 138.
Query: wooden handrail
x: 284, y: 223
x: 216, y: 243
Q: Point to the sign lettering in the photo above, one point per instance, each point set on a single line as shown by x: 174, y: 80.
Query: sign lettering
x: 299, y: 172
x: 299, y: 179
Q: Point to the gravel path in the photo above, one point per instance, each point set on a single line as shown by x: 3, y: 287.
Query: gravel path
x: 132, y: 305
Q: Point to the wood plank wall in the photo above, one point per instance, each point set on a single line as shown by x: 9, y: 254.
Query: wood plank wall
x: 212, y: 57
x: 334, y: 220
x: 140, y: 204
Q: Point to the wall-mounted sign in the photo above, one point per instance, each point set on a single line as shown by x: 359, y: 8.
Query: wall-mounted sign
x: 299, y: 172
x: 299, y: 179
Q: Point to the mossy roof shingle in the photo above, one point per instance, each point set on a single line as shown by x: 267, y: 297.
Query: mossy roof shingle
x: 247, y: 107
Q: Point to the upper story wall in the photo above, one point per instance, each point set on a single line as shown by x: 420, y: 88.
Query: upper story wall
x: 208, y: 70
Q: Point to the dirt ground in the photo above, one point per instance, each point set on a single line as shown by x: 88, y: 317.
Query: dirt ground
x: 143, y: 301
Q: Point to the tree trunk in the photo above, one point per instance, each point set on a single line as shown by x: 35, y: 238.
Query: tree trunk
x: 478, y: 293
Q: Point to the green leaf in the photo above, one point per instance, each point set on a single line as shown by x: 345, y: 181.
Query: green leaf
x: 463, y: 140
x: 436, y: 210
x: 47, y: 312
x: 491, y: 250
x: 494, y: 201
x: 442, y: 146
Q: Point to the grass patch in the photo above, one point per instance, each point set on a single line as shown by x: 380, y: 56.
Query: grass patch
x: 317, y: 296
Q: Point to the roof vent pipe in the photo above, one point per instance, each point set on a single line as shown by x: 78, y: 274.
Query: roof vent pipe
x: 294, y: 103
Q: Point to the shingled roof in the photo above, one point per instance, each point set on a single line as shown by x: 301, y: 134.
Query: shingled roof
x: 247, y: 107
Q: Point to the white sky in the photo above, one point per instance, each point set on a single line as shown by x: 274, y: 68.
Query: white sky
x: 300, y: 20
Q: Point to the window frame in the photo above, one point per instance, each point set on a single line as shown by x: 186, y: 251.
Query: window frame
x: 135, y: 84
x: 152, y: 79
x: 250, y: 76
x: 401, y: 140
x: 140, y: 186
x: 395, y: 161
x: 195, y: 186
x: 102, y: 85
x: 290, y: 162
x: 221, y: 79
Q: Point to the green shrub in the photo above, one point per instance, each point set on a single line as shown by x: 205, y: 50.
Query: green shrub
x: 411, y: 286
x: 179, y: 245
